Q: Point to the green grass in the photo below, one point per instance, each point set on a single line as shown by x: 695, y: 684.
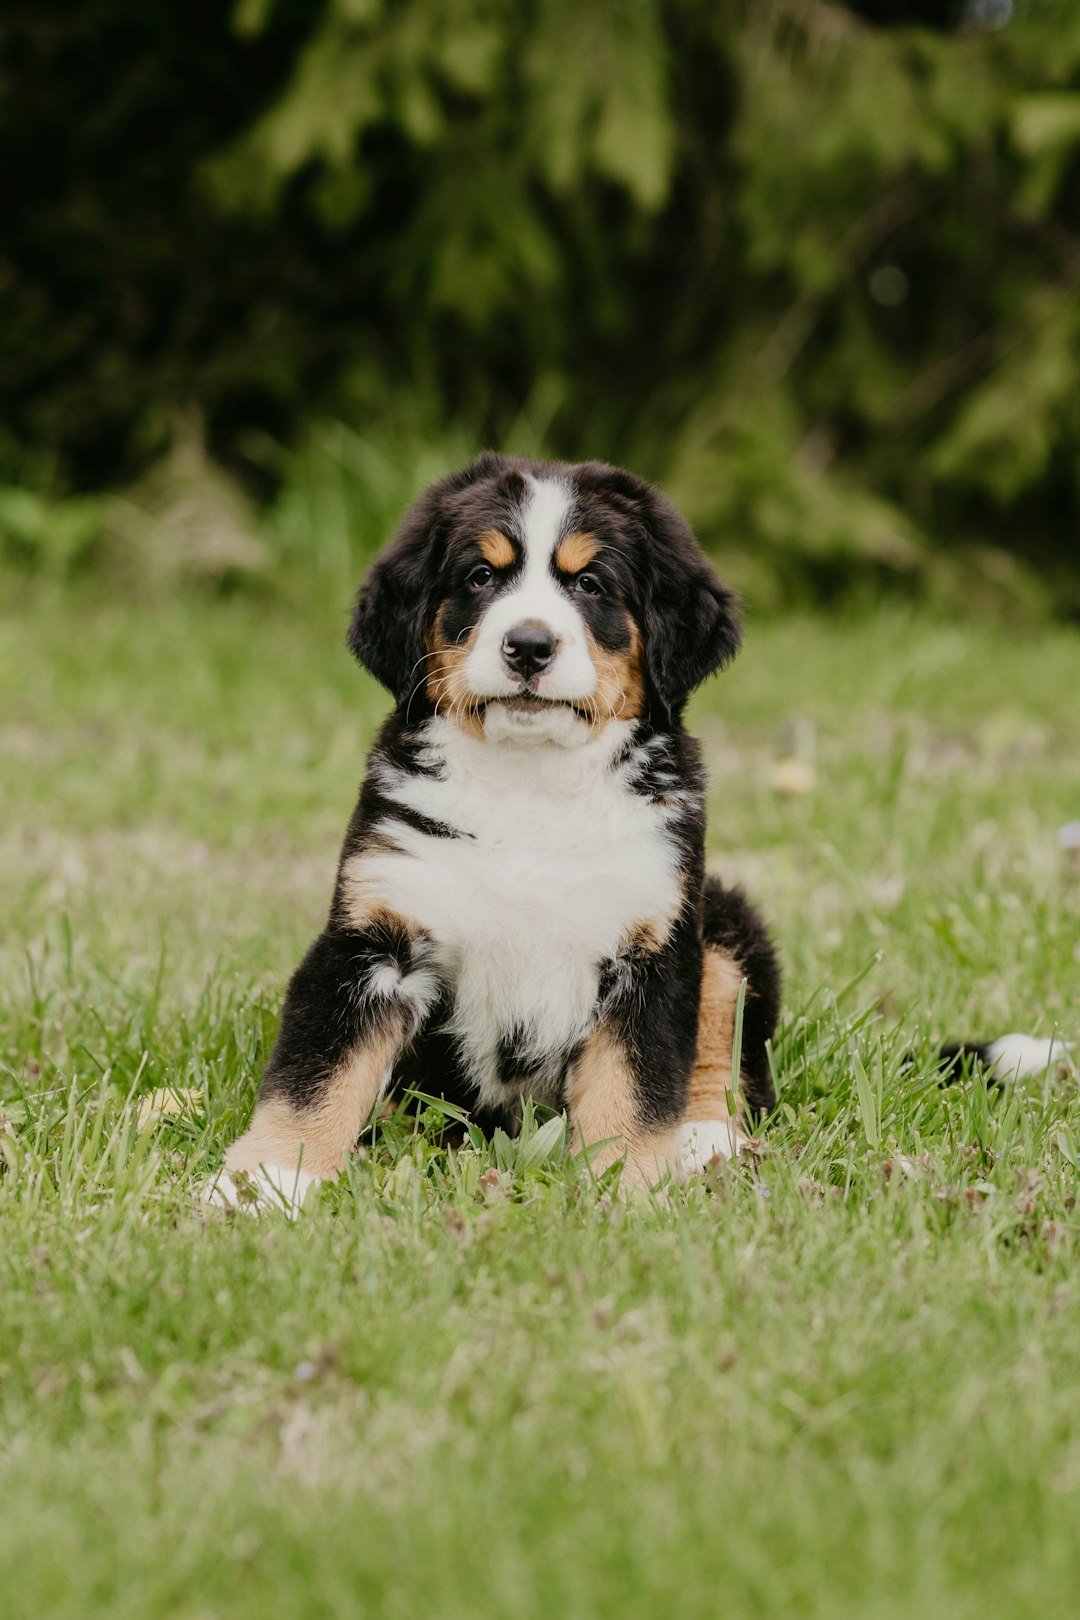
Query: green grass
x: 840, y: 1381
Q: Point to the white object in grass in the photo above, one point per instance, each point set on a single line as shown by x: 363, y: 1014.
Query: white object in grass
x: 1022, y: 1057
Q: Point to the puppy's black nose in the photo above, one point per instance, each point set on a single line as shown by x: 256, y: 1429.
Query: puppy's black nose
x: 528, y: 647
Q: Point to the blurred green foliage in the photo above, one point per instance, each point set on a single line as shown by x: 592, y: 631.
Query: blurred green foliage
x: 815, y: 266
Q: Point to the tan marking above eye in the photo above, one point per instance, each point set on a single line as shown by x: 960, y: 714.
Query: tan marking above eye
x: 495, y: 548
x: 576, y: 552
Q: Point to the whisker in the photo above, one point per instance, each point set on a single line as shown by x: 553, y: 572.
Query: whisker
x: 443, y: 687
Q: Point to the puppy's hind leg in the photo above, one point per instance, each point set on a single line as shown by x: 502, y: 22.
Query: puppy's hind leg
x: 353, y: 1004
x: 737, y: 947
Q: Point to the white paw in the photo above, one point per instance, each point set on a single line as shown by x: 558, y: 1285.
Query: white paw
x: 270, y: 1187
x: 1022, y: 1057
x: 703, y: 1140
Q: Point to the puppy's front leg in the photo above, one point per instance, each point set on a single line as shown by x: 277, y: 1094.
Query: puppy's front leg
x: 629, y: 1084
x: 608, y: 1107
x: 353, y: 1004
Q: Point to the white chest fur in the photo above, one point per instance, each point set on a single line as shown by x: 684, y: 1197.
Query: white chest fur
x: 556, y: 862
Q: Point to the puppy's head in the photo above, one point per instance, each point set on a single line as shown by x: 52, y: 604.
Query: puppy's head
x: 538, y: 601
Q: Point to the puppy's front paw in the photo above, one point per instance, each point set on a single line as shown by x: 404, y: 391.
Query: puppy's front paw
x: 254, y: 1192
x: 703, y: 1141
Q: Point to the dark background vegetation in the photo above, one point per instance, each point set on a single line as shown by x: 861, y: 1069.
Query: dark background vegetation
x: 265, y: 267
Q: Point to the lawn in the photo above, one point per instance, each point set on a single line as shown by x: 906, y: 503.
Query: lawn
x: 841, y: 1380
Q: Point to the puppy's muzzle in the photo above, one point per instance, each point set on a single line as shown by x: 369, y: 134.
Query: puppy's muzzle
x: 528, y: 648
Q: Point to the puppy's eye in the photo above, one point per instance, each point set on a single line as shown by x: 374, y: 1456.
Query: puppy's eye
x: 588, y: 584
x: 480, y: 577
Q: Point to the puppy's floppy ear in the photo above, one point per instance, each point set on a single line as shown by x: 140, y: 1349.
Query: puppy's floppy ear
x: 691, y: 620
x: 392, y: 608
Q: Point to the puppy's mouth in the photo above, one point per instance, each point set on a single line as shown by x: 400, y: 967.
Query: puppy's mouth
x: 528, y: 699
x: 527, y: 702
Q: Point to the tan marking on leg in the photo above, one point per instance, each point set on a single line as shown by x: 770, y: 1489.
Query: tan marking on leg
x: 576, y: 552
x: 604, y: 1109
x: 318, y: 1139
x: 711, y: 1079
x: 496, y: 549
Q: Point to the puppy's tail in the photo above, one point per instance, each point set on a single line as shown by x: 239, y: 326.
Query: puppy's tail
x: 1009, y: 1058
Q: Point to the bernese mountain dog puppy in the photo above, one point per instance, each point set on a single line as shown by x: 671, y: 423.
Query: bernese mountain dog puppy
x: 521, y: 907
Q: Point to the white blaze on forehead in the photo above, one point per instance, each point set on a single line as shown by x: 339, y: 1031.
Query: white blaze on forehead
x: 543, y: 517
x: 535, y: 595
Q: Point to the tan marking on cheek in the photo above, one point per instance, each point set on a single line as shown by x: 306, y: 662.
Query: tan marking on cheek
x: 445, y: 681
x: 495, y: 548
x: 604, y: 1108
x: 711, y: 1079
x: 620, y: 688
x: 319, y: 1138
x: 576, y: 552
